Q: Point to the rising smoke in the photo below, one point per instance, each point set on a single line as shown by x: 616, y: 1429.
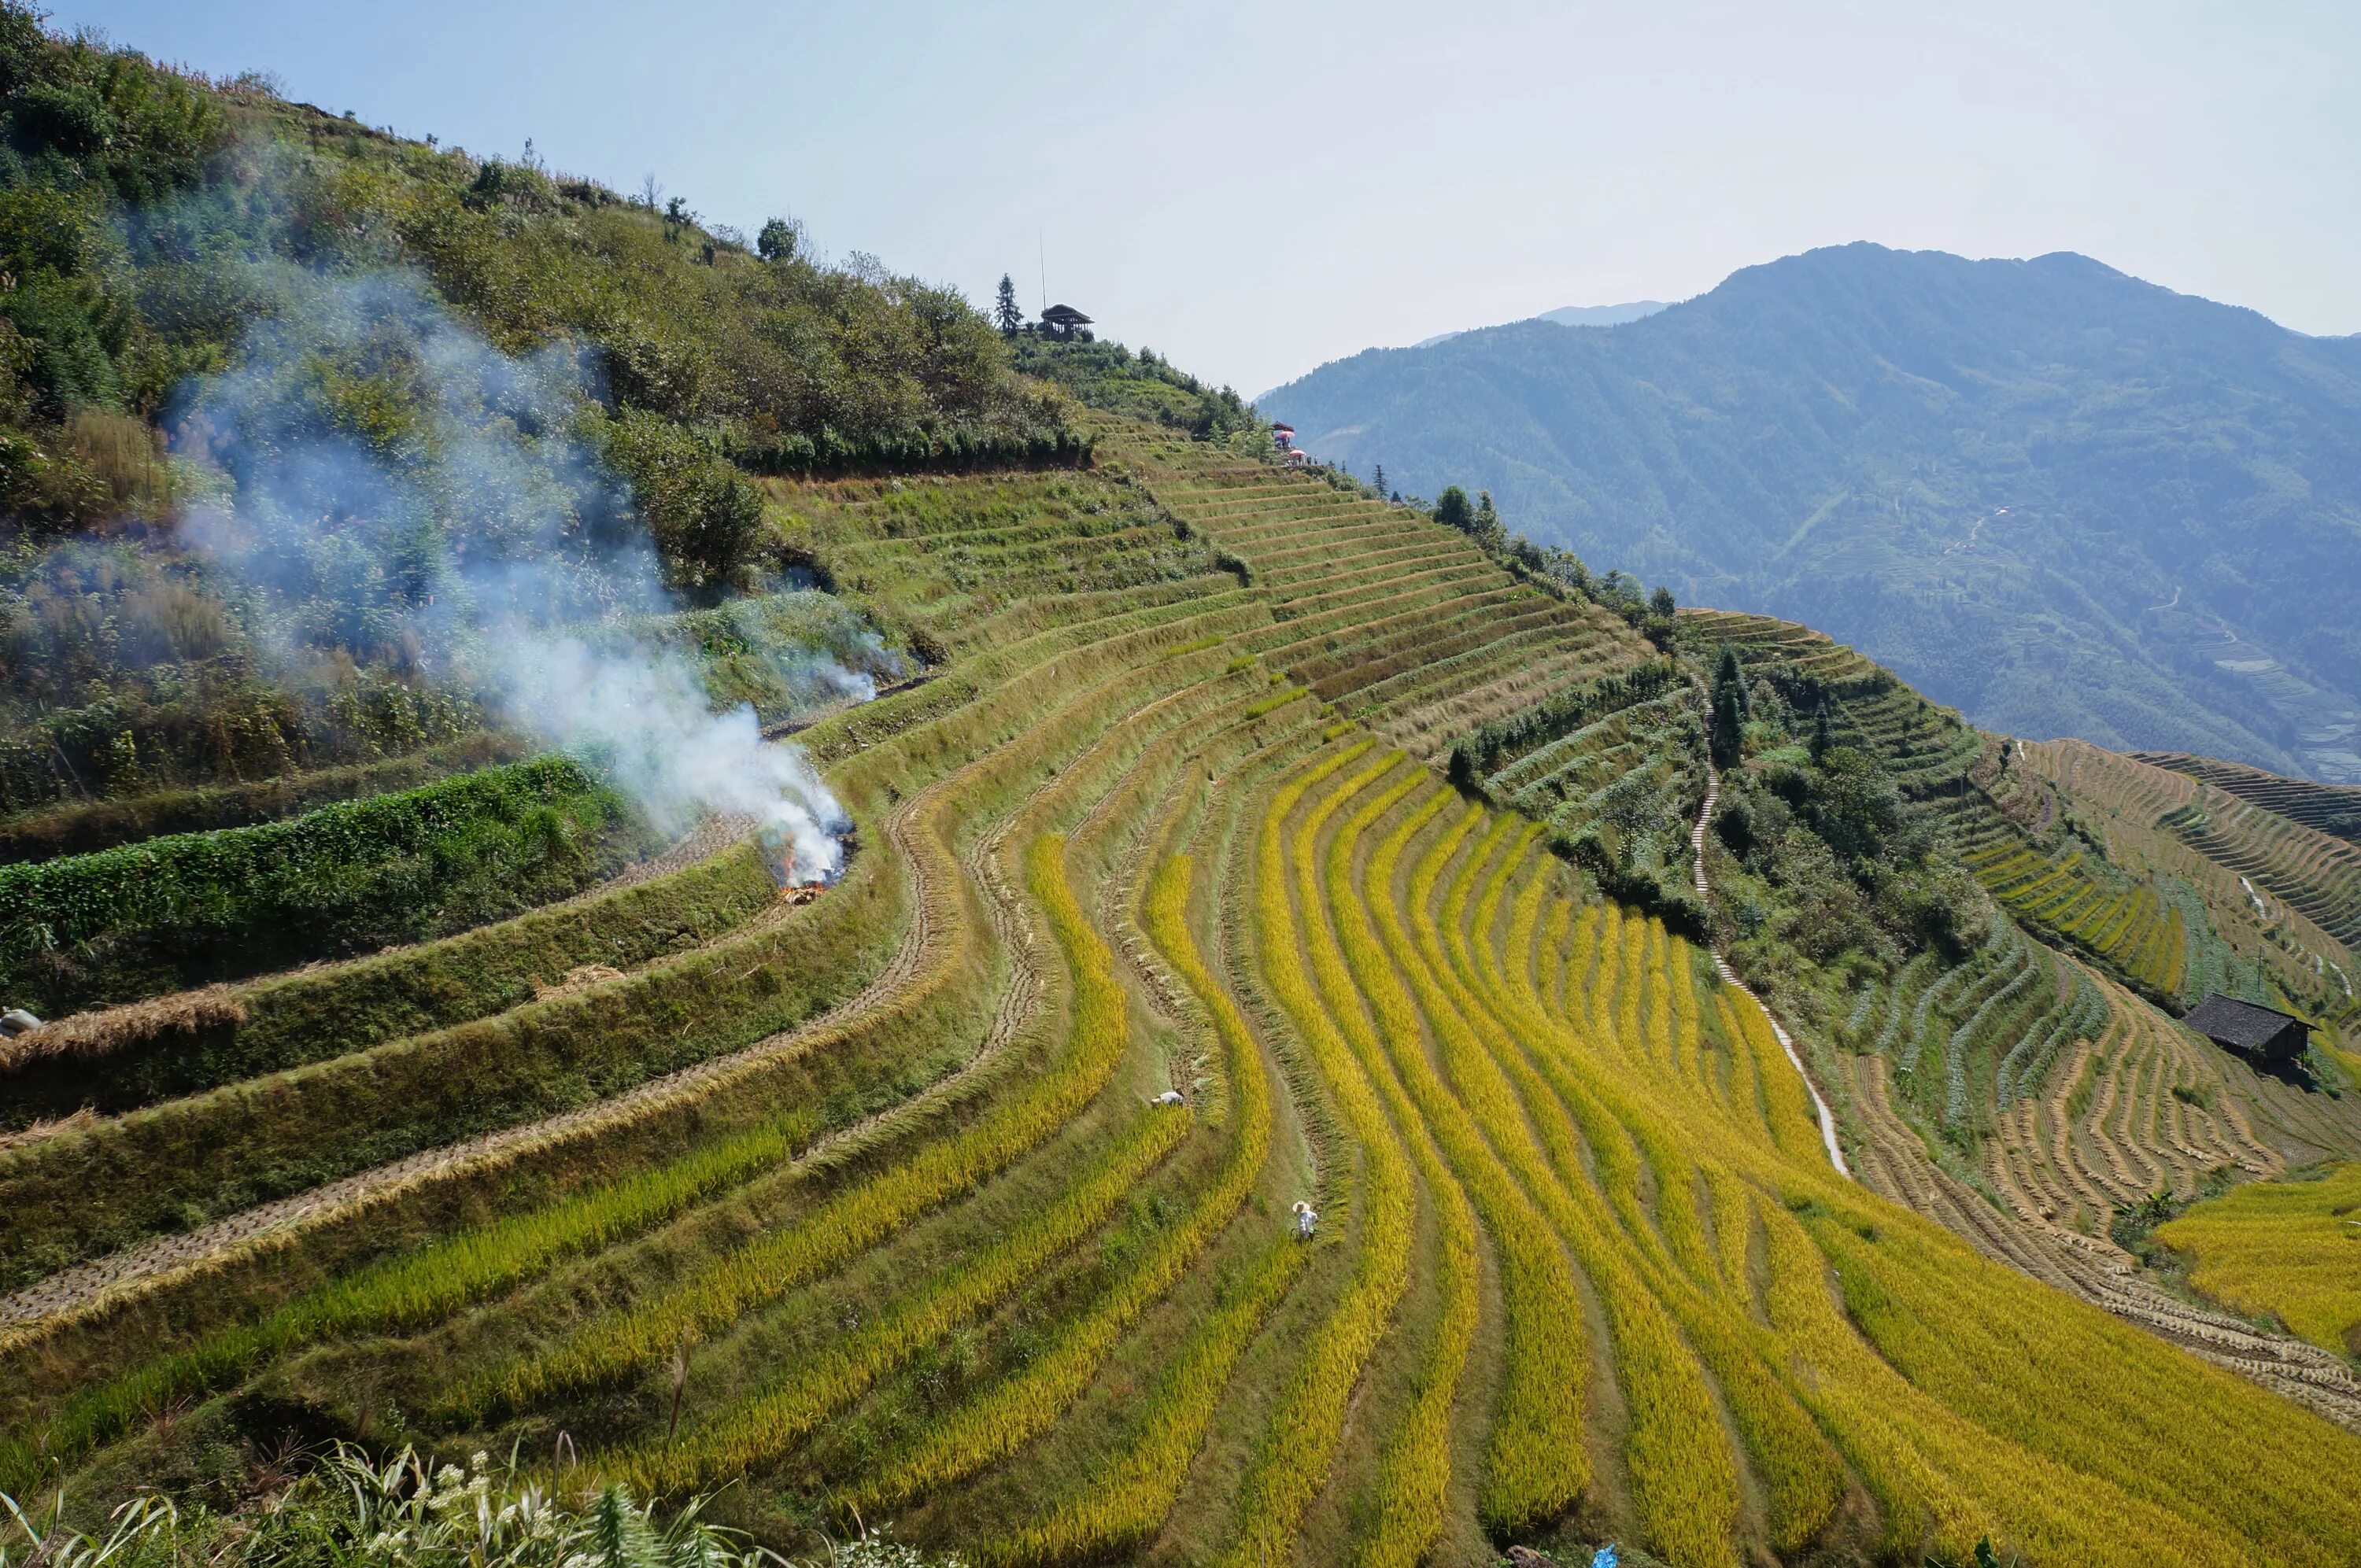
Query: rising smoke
x: 393, y: 487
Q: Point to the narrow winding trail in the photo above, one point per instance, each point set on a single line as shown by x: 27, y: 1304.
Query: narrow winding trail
x: 1730, y: 976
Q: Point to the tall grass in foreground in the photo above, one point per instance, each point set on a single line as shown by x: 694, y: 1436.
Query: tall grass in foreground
x: 405, y: 1512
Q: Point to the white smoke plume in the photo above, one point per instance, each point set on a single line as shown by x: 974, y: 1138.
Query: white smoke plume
x: 394, y: 488
x: 646, y: 721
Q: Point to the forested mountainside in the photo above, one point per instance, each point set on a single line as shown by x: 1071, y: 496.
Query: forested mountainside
x: 2065, y: 501
x: 583, y: 968
x: 158, y: 230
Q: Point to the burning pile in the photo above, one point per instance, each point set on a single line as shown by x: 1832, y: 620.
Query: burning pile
x: 800, y: 880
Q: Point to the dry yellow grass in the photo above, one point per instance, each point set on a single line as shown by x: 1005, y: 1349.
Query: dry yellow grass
x: 110, y: 1029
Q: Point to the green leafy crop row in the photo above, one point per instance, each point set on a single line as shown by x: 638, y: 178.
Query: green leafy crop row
x: 169, y: 912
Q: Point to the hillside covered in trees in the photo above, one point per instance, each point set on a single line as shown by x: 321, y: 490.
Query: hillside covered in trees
x: 2062, y: 500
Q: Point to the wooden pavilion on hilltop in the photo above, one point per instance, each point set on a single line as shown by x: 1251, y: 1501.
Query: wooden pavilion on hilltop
x: 1062, y: 322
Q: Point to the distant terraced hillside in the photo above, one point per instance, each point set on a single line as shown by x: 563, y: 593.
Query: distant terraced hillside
x: 2085, y: 867
x: 2295, y: 892
x: 2330, y: 808
x: 2052, y: 1097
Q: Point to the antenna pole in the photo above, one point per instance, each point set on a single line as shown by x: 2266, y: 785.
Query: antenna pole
x: 1044, y: 259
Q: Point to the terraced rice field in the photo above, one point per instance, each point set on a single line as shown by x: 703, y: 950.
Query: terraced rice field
x: 2288, y: 1250
x: 876, y: 1200
x: 2110, y: 1130
x: 2007, y: 831
x: 1410, y: 631
x: 2072, y: 894
x: 2049, y: 1093
x: 2284, y: 894
x: 2334, y: 809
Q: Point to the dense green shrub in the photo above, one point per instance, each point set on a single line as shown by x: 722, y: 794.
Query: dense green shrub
x: 705, y: 516
x: 1483, y: 753
x: 223, y: 726
x: 82, y: 126
x: 82, y: 828
x: 1109, y: 376
x: 329, y: 1010
x: 952, y: 447
x: 176, y: 911
x: 1832, y: 859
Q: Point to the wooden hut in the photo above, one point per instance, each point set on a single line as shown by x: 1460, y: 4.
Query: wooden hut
x: 2264, y: 1034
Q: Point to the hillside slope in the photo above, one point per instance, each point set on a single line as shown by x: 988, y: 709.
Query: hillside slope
x: 1094, y: 994
x: 892, y: 1220
x: 1571, y: 315
x: 2062, y: 500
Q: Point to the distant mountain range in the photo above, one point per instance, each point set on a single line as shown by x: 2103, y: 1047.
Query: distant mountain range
x: 1571, y: 315
x: 2060, y: 498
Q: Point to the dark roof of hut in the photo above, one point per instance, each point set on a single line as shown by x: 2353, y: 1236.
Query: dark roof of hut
x: 2236, y: 1023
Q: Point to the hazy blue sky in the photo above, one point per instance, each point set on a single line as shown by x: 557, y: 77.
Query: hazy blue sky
x: 1255, y: 190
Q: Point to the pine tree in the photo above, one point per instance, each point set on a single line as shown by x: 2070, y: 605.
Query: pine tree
x: 1380, y: 481
x: 1005, y: 312
x: 1453, y: 510
x: 1820, y: 731
x: 1730, y: 708
x: 1488, y: 527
